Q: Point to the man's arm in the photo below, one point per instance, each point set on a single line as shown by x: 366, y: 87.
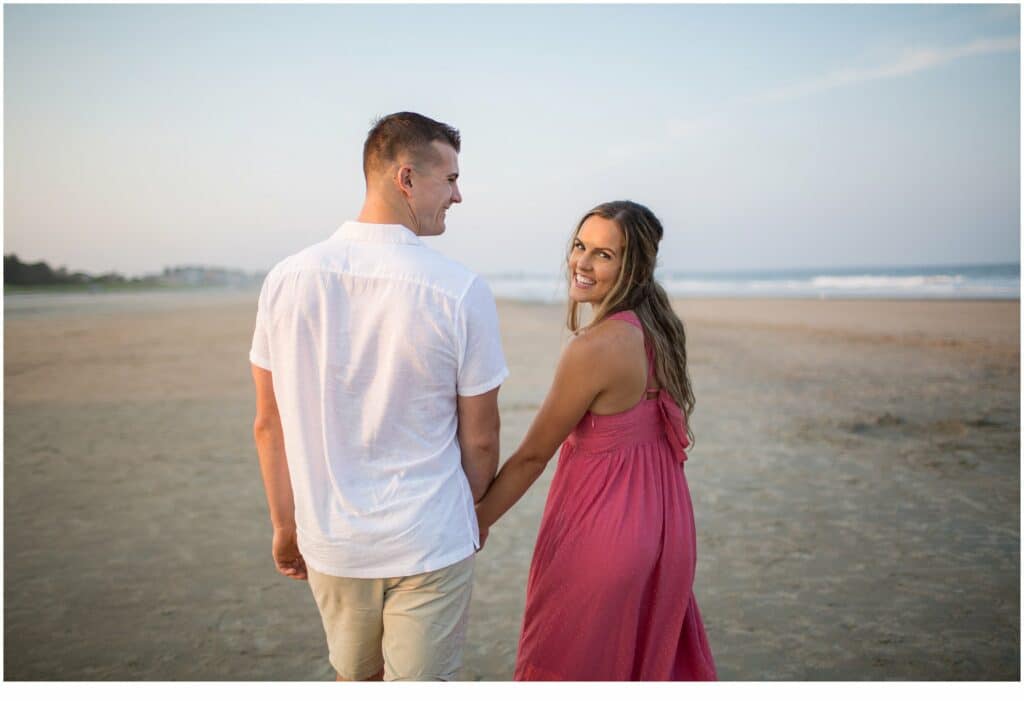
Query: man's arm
x: 479, y: 432
x: 274, y: 467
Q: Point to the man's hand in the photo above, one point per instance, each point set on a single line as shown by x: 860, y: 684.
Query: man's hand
x: 484, y: 532
x: 286, y: 553
x: 269, y: 436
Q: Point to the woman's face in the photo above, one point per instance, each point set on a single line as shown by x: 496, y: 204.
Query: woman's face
x: 595, y: 260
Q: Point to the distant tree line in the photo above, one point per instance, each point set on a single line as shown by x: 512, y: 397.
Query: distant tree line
x: 18, y: 272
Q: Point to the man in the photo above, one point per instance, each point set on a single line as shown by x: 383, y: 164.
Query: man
x: 377, y: 363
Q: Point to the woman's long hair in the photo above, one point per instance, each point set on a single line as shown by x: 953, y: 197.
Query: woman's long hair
x: 636, y: 289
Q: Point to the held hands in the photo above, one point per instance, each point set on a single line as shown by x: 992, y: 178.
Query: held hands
x: 286, y: 554
x: 484, y: 530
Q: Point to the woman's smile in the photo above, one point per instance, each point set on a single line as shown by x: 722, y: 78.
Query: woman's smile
x: 595, y: 259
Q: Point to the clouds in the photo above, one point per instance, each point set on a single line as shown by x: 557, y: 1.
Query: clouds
x: 909, y: 62
x: 731, y: 122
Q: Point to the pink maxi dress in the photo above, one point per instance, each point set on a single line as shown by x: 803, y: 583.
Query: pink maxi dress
x: 610, y: 591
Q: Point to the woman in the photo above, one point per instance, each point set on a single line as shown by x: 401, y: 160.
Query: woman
x: 609, y: 595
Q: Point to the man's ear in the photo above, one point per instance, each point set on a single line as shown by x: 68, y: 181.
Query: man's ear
x: 403, y: 179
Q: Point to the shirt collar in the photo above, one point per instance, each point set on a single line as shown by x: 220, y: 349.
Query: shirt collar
x: 394, y: 234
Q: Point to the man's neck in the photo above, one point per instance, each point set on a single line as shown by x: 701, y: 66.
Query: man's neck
x: 379, y: 211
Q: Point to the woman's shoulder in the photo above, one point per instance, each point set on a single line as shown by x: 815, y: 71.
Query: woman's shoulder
x: 610, y: 338
x: 610, y: 359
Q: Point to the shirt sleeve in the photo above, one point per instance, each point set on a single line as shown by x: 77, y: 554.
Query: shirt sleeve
x: 481, y: 360
x: 259, y: 354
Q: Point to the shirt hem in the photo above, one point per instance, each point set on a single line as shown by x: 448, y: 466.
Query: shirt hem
x: 484, y: 386
x: 388, y: 571
x: 259, y: 360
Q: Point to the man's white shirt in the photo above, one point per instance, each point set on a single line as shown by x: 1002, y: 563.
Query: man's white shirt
x: 369, y: 336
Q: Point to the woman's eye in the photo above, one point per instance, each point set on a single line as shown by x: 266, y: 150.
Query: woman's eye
x: 578, y: 245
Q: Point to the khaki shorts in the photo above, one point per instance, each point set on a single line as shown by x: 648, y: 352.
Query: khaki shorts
x: 413, y: 627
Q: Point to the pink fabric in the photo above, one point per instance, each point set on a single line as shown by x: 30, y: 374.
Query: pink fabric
x: 610, y: 591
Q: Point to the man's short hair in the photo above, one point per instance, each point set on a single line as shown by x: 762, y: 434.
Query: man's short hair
x: 404, y: 132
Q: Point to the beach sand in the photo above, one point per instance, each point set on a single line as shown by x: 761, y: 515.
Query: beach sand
x: 855, y: 478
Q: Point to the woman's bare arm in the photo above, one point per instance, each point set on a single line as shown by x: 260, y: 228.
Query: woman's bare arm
x: 579, y: 378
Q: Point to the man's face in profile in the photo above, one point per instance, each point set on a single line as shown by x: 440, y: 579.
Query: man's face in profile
x: 435, y: 189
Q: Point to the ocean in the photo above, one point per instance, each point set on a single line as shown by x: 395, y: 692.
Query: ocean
x: 923, y: 282
x: 997, y: 281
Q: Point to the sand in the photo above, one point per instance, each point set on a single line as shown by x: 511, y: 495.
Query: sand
x: 856, y: 482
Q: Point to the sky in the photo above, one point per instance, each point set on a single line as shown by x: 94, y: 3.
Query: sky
x: 764, y: 137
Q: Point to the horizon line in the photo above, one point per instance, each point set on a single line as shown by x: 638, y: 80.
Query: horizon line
x: 808, y: 268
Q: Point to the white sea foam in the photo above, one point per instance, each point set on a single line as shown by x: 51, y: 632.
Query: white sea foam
x: 885, y: 281
x: 529, y: 289
x: 932, y: 284
x: 825, y: 286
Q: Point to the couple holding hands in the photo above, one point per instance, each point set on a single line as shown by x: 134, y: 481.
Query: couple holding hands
x: 377, y: 363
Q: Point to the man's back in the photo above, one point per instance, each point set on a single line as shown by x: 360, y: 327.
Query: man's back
x: 369, y: 337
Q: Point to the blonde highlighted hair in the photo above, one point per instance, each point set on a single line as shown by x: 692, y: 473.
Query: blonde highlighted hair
x: 636, y: 289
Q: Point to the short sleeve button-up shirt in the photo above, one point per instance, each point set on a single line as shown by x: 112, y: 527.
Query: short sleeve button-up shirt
x: 369, y: 337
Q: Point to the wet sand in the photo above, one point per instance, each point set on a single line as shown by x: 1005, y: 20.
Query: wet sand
x: 856, y: 482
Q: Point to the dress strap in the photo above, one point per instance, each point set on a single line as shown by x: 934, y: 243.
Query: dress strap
x: 629, y: 316
x: 650, y: 365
